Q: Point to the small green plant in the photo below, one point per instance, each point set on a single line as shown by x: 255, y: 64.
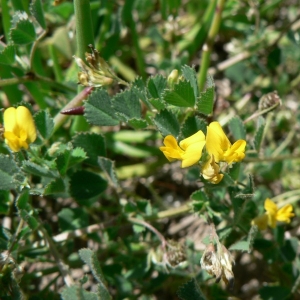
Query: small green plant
x: 128, y: 173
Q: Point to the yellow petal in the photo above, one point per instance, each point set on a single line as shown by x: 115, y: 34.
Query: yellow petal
x: 25, y: 122
x: 210, y: 171
x: 285, y: 214
x: 171, y: 150
x: 216, y: 141
x: 192, y: 154
x: 9, y: 119
x: 195, y: 138
x: 270, y: 206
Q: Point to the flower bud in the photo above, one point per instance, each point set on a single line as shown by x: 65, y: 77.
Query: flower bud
x: 269, y: 100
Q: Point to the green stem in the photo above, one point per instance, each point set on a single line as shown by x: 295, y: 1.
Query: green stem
x: 5, y: 19
x: 32, y: 51
x: 59, y: 119
x: 15, y: 80
x: 84, y: 29
x: 265, y: 159
x: 207, y: 47
x: 56, y: 66
x: 84, y: 38
x: 138, y: 51
x: 63, y: 268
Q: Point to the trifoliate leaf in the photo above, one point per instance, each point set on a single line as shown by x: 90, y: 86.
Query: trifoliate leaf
x: 108, y: 167
x: 127, y: 104
x: 182, y: 95
x: 85, y: 185
x: 156, y: 85
x: 44, y: 123
x: 56, y: 186
x: 237, y: 128
x: 7, y: 170
x: 98, y: 109
x: 167, y: 123
x: 36, y: 10
x: 35, y: 169
x: 93, y: 144
x: 258, y: 137
x: 137, y: 123
x: 7, y: 55
x: 191, y: 76
x: 23, y: 199
x: 23, y: 33
x: 205, y: 102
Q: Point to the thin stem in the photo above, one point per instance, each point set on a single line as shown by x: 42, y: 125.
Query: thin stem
x: 20, y: 226
x: 15, y: 80
x: 33, y: 48
x: 207, y: 47
x: 138, y: 51
x: 265, y: 159
x: 63, y: 268
x: 150, y: 227
x: 56, y: 66
x: 261, y: 112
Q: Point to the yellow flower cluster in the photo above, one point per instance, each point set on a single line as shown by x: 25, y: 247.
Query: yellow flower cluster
x: 273, y: 214
x: 218, y: 148
x: 19, y: 128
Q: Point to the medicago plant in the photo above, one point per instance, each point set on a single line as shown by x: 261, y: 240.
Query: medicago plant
x: 136, y: 187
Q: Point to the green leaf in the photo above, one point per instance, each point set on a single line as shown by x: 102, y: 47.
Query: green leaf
x: 137, y: 123
x: 23, y: 199
x: 258, y: 137
x: 29, y: 219
x: 35, y: 169
x: 234, y: 171
x: 44, y: 123
x: 93, y: 144
x: 108, y: 167
x: 167, y: 123
x: 205, y: 102
x: 56, y: 186
x: 4, y: 204
x: 199, y: 196
x: 75, y: 292
x: 36, y: 10
x: 140, y: 89
x: 240, y: 246
x: 157, y: 103
x: 98, y: 109
x: 85, y: 185
x: 191, y: 76
x: 7, y: 55
x: 68, y: 158
x: 157, y: 85
x: 237, y: 128
x: 127, y: 105
x: 192, y: 125
x: 23, y: 33
x: 8, y: 169
x: 72, y: 218
x: 90, y: 258
x: 190, y: 291
x: 182, y: 95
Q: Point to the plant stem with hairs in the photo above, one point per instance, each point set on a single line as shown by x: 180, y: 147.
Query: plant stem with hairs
x: 207, y: 47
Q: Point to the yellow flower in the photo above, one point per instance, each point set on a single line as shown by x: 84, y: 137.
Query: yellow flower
x: 218, y: 145
x: 210, y: 171
x: 189, y: 149
x: 19, y: 128
x: 273, y: 214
